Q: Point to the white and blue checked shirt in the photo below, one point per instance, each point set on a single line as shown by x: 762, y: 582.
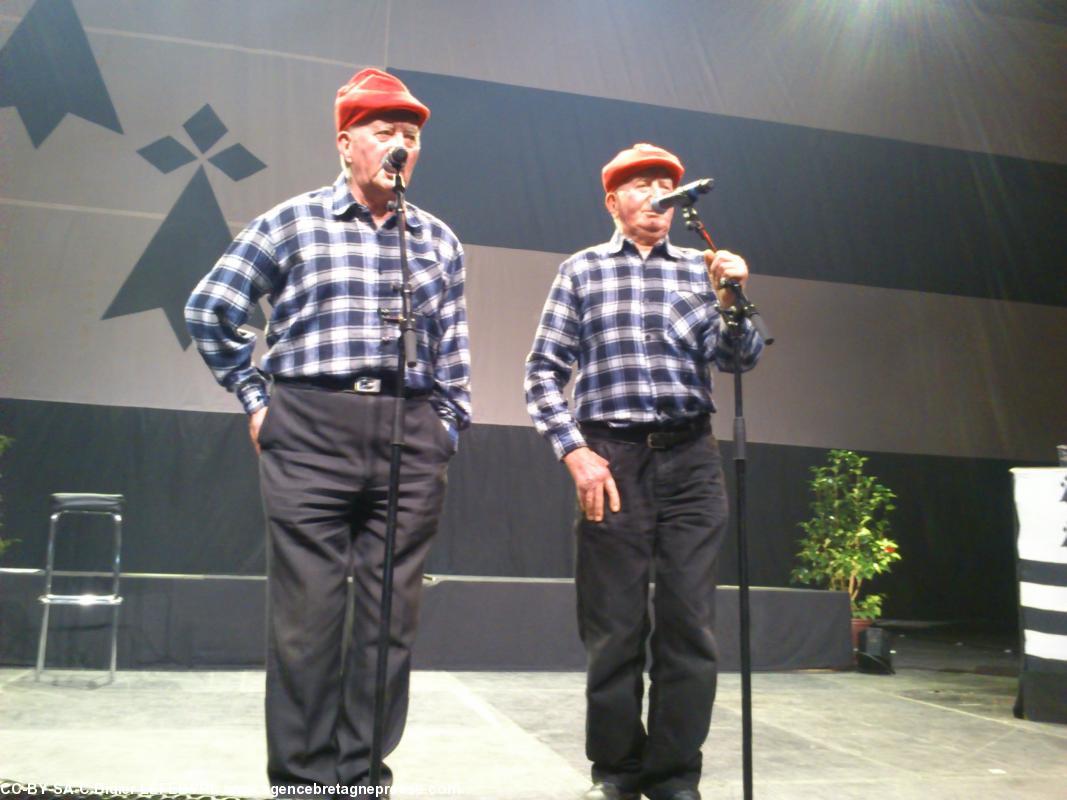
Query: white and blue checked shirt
x: 328, y: 272
x: 644, y: 334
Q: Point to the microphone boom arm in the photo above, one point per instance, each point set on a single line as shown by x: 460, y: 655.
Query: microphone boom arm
x: 742, y: 306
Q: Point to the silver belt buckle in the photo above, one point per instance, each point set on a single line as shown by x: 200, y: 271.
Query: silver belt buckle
x: 657, y: 441
x: 367, y: 386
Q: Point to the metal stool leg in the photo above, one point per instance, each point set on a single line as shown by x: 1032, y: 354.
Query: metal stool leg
x: 42, y: 643
x: 115, y: 593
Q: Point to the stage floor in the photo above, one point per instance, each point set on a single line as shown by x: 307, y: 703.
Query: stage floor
x: 942, y: 728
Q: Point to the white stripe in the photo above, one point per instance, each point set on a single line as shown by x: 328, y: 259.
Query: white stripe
x: 388, y: 22
x: 835, y: 66
x: 254, y: 51
x: 118, y: 212
x: 155, y: 37
x: 474, y: 703
x: 859, y: 394
x: 114, y: 212
x: 851, y: 398
x: 1045, y: 645
x: 1042, y: 516
x: 1008, y: 105
x: 1047, y: 598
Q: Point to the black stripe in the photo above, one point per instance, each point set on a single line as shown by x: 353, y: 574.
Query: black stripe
x: 1043, y: 572
x: 1037, y: 664
x: 194, y: 506
x: 1044, y: 621
x: 516, y: 167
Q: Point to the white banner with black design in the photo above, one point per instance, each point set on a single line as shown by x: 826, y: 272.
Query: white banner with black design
x: 1041, y: 510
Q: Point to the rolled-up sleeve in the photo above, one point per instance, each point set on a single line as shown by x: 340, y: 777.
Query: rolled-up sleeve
x: 549, y: 366
x: 223, y: 301
x: 452, y: 366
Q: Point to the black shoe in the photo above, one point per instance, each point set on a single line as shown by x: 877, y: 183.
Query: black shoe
x: 609, y: 791
x: 685, y: 794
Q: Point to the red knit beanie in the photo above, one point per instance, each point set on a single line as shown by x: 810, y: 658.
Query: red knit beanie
x: 639, y: 157
x: 371, y: 90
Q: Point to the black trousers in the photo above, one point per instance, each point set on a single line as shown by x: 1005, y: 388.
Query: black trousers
x: 324, y: 473
x: 672, y: 522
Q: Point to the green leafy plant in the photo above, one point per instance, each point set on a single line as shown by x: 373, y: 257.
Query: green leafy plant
x: 5, y: 442
x: 847, y: 540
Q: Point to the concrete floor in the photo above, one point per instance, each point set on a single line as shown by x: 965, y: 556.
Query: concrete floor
x: 941, y: 728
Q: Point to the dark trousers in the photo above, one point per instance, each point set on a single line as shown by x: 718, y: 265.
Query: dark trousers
x: 673, y: 519
x: 324, y: 473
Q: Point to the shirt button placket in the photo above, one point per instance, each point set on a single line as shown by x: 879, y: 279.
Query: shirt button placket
x: 647, y: 346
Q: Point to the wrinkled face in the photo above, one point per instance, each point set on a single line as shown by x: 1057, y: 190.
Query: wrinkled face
x: 630, y: 203
x: 364, y: 145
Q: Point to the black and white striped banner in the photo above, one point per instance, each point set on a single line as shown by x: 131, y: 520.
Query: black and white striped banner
x: 1042, y: 547
x: 1041, y: 507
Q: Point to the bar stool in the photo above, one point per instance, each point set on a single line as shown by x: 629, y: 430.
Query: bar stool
x: 112, y: 505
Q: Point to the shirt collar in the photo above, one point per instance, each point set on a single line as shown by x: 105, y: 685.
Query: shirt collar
x: 662, y: 247
x: 343, y: 204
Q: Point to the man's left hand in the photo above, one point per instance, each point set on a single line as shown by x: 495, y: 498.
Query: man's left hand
x: 724, y: 265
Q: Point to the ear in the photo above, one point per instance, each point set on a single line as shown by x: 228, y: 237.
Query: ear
x: 611, y: 203
x: 343, y: 140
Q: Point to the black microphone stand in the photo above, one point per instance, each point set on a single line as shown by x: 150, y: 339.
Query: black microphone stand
x: 406, y: 357
x: 735, y: 316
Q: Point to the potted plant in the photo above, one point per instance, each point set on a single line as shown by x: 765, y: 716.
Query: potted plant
x: 846, y: 541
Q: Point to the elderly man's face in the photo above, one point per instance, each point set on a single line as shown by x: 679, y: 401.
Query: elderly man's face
x: 363, y: 146
x: 630, y: 205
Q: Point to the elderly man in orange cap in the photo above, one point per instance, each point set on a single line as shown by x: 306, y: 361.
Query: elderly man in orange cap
x: 320, y: 409
x: 639, y: 316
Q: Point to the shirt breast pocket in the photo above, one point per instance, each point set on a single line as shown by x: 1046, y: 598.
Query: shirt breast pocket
x: 427, y: 285
x: 427, y: 296
x: 688, y: 316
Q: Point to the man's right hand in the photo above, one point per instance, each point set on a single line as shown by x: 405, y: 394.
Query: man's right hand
x: 592, y: 479
x: 255, y: 422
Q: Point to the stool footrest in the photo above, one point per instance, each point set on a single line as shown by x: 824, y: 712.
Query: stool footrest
x: 87, y: 503
x: 80, y: 599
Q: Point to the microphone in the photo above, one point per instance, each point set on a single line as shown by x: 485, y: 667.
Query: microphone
x: 683, y: 195
x: 394, y: 160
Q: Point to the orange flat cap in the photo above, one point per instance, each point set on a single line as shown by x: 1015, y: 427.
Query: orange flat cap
x: 640, y: 156
x: 371, y: 90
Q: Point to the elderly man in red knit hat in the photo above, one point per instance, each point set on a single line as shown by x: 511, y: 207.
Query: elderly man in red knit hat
x: 320, y: 410
x: 640, y: 318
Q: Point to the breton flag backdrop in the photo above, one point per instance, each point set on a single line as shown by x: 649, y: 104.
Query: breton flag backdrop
x: 895, y: 173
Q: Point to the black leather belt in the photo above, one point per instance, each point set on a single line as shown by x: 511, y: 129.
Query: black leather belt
x: 359, y: 384
x: 656, y: 437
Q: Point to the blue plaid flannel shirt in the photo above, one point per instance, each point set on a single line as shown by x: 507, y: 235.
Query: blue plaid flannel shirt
x: 644, y: 335
x: 327, y: 270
